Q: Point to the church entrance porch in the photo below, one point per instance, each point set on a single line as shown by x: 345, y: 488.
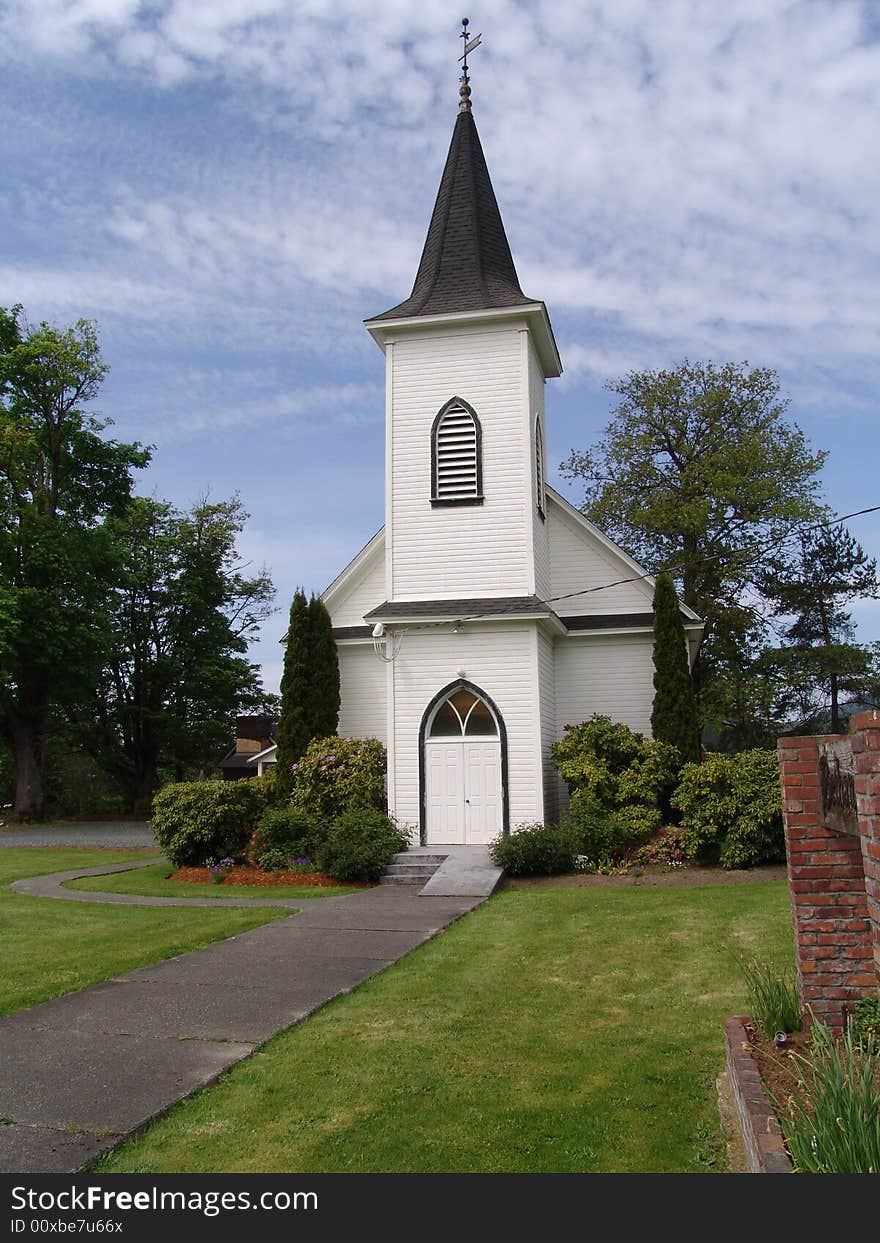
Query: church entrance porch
x: 463, y: 768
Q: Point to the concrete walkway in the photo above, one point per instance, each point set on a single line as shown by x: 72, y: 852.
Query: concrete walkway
x: 84, y: 1071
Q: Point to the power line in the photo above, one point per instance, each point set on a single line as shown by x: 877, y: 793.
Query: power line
x: 757, y: 548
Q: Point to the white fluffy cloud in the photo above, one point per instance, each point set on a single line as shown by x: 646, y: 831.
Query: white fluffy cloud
x: 230, y: 186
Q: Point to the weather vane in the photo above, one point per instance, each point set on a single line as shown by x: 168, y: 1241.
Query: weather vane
x: 469, y: 45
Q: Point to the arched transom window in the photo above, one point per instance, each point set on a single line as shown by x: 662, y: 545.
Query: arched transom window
x: 463, y: 715
x: 456, y: 456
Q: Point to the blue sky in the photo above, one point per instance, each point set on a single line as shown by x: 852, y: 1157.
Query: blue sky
x: 231, y: 187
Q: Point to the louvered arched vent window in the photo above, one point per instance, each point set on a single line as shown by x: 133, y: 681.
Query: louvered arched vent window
x: 456, y: 456
x: 539, y: 466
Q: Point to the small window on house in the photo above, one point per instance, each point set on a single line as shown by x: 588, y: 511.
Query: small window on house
x: 539, y: 467
x: 456, y: 456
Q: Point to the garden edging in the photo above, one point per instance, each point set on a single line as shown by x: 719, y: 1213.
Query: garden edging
x: 761, y: 1133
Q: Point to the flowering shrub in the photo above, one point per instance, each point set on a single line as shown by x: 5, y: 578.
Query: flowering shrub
x: 732, y: 805
x: 219, y: 871
x: 338, y: 774
x: 198, y: 822
x: 279, y: 861
x: 669, y: 848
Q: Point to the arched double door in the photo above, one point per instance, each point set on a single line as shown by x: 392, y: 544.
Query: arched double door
x: 463, y: 777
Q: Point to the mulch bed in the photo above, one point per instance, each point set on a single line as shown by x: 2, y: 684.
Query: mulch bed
x: 779, y: 1074
x: 651, y: 874
x: 265, y: 880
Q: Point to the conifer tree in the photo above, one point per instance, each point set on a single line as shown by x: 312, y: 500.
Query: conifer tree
x: 294, y: 733
x: 674, y: 716
x: 323, y: 714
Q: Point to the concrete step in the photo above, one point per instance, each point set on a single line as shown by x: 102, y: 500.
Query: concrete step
x: 408, y: 856
x: 411, y: 869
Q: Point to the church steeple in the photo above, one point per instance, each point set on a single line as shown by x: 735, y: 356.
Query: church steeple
x: 466, y: 264
x: 466, y: 269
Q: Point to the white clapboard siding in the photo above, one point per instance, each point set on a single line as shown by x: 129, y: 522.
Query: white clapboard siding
x: 470, y: 550
x: 362, y: 591
x: 611, y: 674
x: 547, y: 697
x: 362, y: 711
x: 578, y: 559
x: 500, y: 660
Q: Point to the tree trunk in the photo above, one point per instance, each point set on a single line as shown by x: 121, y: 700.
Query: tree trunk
x: 27, y: 744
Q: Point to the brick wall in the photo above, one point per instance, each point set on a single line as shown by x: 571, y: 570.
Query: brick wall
x: 865, y: 731
x: 838, y: 951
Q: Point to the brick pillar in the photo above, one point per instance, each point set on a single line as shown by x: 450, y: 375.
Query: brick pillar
x: 865, y: 729
x: 826, y: 879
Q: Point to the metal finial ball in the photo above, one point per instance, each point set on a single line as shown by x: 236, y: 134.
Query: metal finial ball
x: 465, y: 22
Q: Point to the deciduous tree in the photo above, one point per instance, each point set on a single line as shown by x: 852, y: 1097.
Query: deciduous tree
x: 60, y: 480
x: 180, y: 611
x: 697, y: 465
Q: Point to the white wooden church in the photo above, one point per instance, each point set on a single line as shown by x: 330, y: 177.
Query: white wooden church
x: 467, y: 633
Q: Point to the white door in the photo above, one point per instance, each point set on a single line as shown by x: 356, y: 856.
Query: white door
x: 463, y: 789
x: 463, y: 801
x: 444, y: 788
x: 482, y: 791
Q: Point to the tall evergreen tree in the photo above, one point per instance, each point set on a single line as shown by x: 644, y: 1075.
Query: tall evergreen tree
x: 674, y: 716
x: 324, y: 702
x: 293, y: 734
x: 830, y: 571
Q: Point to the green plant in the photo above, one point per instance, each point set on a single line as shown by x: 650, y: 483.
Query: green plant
x: 309, y: 687
x: 281, y: 861
x: 617, y: 779
x: 674, y: 717
x: 360, y: 844
x: 731, y: 805
x: 832, y: 1123
x: 774, y: 1005
x: 537, y: 850
x: 337, y: 774
x: 667, y: 848
x: 290, y: 830
x: 865, y: 1021
x: 195, y: 821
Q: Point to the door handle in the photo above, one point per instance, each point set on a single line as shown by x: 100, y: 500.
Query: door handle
x: 467, y: 800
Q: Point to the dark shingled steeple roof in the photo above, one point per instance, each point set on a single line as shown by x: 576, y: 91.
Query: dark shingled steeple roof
x: 466, y: 264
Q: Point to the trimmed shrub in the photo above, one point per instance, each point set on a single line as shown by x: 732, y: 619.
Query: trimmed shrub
x: 290, y: 831
x: 537, y: 850
x: 198, y: 822
x: 617, y: 779
x: 359, y: 845
x: 267, y: 786
x: 338, y: 774
x: 731, y: 806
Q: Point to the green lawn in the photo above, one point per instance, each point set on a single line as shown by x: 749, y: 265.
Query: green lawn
x: 154, y: 882
x: 551, y: 1030
x: 52, y: 947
